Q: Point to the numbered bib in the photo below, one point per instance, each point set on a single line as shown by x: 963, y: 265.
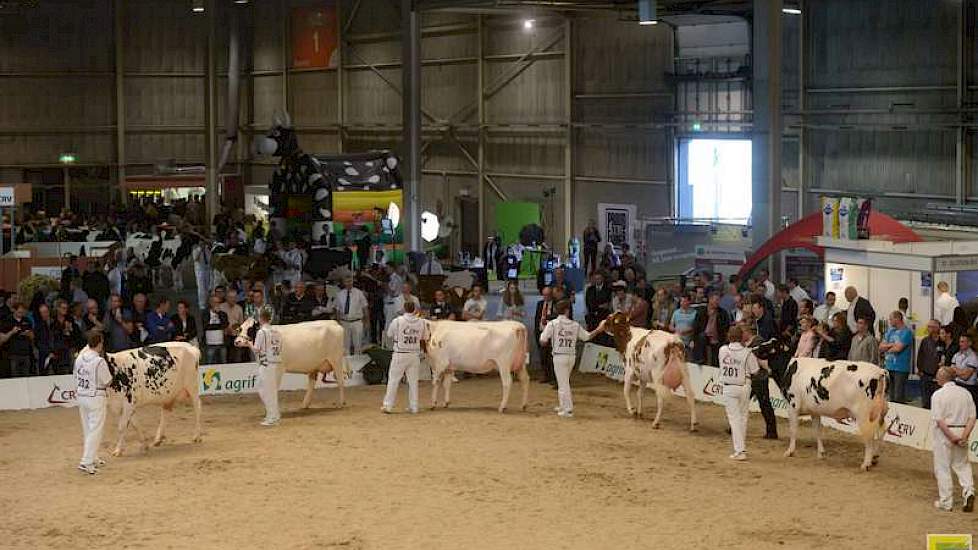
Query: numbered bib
x: 564, y: 339
x: 409, y: 336
x: 733, y: 368
x: 85, y: 380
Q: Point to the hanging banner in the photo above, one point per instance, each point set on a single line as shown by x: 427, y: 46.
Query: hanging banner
x: 615, y: 223
x: 314, y: 32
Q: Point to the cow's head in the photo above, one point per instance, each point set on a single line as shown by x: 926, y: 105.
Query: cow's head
x: 246, y: 333
x: 618, y: 327
x: 775, y: 354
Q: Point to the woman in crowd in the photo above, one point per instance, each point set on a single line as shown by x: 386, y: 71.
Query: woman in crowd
x: 807, y: 339
x: 184, y: 324
x: 66, y: 339
x: 835, y: 340
x: 511, y: 306
x: 609, y: 259
x: 662, y: 307
x: 638, y: 314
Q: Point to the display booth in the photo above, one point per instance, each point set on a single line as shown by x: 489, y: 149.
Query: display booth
x: 168, y: 188
x: 884, y: 271
x: 46, y: 259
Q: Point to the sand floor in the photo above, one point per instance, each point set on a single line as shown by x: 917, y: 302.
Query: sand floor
x: 465, y: 477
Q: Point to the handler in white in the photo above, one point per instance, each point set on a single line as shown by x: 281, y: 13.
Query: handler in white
x: 352, y: 311
x: 564, y: 333
x: 406, y: 332
x: 92, y: 376
x: 737, y: 363
x: 953, y: 412
x: 268, y: 350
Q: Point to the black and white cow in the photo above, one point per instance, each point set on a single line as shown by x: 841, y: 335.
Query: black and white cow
x: 837, y: 389
x: 160, y: 374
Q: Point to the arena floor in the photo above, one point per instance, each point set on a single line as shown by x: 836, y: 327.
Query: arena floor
x: 465, y: 477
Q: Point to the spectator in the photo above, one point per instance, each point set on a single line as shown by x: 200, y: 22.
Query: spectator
x: 763, y: 319
x: 896, y: 345
x: 353, y: 313
x: 948, y: 346
x: 440, y: 308
x: 591, y: 239
x: 43, y: 339
x: 806, y: 307
x: 629, y: 277
x: 138, y: 279
x: 91, y: 320
x: 321, y: 305
x: 662, y: 308
x: 597, y: 300
x: 825, y: 312
x: 743, y: 312
x: 114, y: 323
x: 683, y: 321
x: 406, y: 296
x: 965, y: 364
x: 765, y: 284
x: 184, y: 324
x: 789, y: 312
x: 944, y: 305
x: 17, y: 335
x: 638, y: 314
x: 159, y: 327
x: 903, y: 306
x: 257, y: 305
x: 117, y: 276
x: 298, y: 305
x: 139, y: 314
x: 760, y: 386
x: 68, y: 275
x: 621, y: 301
x: 729, y: 300
x: 836, y: 339
x: 511, y: 305
x: 214, y: 330
x: 858, y: 307
x: 712, y: 324
x: 627, y: 258
x: 236, y: 316
x: 609, y: 259
x: 96, y: 284
x: 78, y: 296
x: 864, y: 346
x: 807, y: 339
x: 475, y: 307
x: 66, y: 339
x: 546, y: 312
x: 796, y: 291
x: 930, y: 356
x: 6, y: 307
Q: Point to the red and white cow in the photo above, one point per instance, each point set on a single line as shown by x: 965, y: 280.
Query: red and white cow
x: 477, y: 347
x: 837, y: 389
x: 313, y: 348
x: 651, y: 356
x: 161, y: 374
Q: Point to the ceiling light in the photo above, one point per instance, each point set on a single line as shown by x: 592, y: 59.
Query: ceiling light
x: 240, y: 1
x: 197, y: 6
x: 528, y: 23
x: 429, y: 226
x: 647, y: 12
x: 791, y: 11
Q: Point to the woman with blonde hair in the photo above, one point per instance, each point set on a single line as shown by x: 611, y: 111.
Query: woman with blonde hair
x: 511, y: 305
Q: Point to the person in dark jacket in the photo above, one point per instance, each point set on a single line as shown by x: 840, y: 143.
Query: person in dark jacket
x: 96, y: 284
x: 215, y: 327
x: 591, y: 239
x: 929, y: 357
x: 710, y: 330
x: 17, y: 341
x: 159, y: 327
x: 789, y: 312
x: 42, y: 339
x: 298, y: 305
x: 859, y: 307
x: 546, y: 311
x: 763, y: 319
x: 597, y: 299
x: 69, y: 274
x: 184, y: 324
x: 759, y: 386
x: 66, y: 339
x: 836, y: 339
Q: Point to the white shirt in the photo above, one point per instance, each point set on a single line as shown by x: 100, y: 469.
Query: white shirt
x: 358, y: 305
x: 564, y: 333
x: 399, y: 304
x: 799, y: 294
x: 268, y: 345
x: 953, y: 405
x: 823, y: 313
x: 407, y: 331
x: 769, y: 289
x: 736, y: 364
x: 944, y: 308
x: 92, y: 373
x: 214, y: 337
x: 475, y: 308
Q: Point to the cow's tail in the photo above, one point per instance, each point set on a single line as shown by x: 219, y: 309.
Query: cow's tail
x: 519, y: 353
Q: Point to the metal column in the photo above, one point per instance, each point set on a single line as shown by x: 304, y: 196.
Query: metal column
x: 569, y: 135
x: 766, y: 147
x: 480, y: 86
x: 802, y: 105
x: 211, y: 199
x: 120, y: 100
x: 411, y: 78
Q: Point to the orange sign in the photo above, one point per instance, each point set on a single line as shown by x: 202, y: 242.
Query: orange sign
x: 314, y: 36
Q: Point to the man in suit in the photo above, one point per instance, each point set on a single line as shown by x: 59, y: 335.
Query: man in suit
x: 710, y: 330
x: 546, y: 312
x: 859, y: 307
x: 597, y: 299
x: 789, y: 311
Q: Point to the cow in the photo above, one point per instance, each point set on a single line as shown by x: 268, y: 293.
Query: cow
x: 837, y: 389
x: 311, y: 348
x: 161, y: 374
x: 651, y: 356
x: 477, y: 347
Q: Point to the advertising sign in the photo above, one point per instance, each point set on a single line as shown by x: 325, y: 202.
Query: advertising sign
x: 615, y: 223
x: 314, y: 33
x: 7, y: 197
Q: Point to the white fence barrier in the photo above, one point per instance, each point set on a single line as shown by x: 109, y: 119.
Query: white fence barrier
x: 38, y: 392
x: 905, y: 425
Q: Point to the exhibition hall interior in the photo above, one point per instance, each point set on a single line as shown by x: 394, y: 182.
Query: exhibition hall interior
x: 502, y: 273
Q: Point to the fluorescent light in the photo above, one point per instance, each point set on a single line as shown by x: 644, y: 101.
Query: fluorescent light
x: 197, y: 6
x: 791, y: 11
x: 240, y: 1
x: 528, y: 23
x: 648, y: 22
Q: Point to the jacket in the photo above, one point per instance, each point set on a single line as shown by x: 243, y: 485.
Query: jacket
x: 723, y: 323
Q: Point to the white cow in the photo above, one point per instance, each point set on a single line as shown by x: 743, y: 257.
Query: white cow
x: 477, y: 347
x: 312, y: 348
x: 837, y: 389
x: 651, y: 356
x: 160, y: 374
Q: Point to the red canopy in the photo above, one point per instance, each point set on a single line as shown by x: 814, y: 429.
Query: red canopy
x: 802, y: 234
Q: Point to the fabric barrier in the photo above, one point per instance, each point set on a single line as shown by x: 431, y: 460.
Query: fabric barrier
x: 905, y: 425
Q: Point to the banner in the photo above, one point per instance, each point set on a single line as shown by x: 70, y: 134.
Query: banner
x: 314, y: 36
x: 615, y: 224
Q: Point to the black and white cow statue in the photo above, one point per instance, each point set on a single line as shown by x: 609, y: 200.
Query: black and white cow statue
x: 838, y: 389
x: 161, y: 374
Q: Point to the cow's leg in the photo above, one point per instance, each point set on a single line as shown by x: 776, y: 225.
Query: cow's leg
x: 195, y: 399
x: 792, y: 431
x: 159, y: 431
x: 629, y: 373
x: 310, y: 386
x: 507, y: 378
x: 660, y: 401
x: 525, y: 381
x: 447, y: 382
x: 340, y: 376
x: 436, y: 377
x: 124, y: 416
x: 691, y: 401
x: 639, y: 393
x: 817, y: 428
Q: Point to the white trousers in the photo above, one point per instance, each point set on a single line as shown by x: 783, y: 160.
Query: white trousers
x: 949, y: 457
x: 352, y: 336
x: 403, y: 364
x: 736, y: 400
x: 92, y: 410
x: 268, y: 390
x: 563, y: 365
